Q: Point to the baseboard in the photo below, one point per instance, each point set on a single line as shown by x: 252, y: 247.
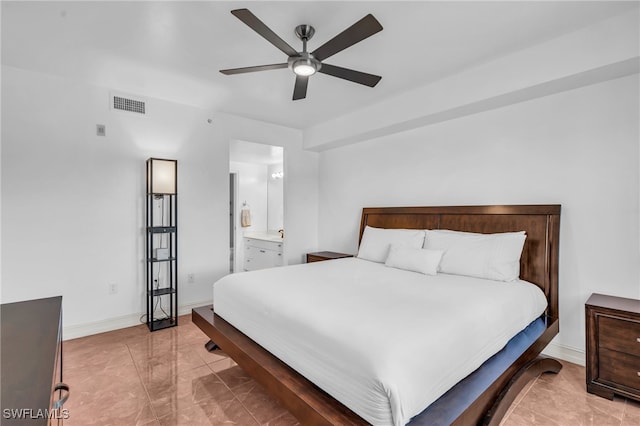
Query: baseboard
x: 116, y: 323
x: 565, y: 353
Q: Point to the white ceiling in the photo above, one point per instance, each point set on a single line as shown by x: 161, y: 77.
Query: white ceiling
x: 173, y: 50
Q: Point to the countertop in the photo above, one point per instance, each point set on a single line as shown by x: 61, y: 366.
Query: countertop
x: 266, y: 236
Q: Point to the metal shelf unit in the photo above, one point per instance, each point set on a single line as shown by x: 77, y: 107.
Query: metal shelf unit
x: 161, y: 251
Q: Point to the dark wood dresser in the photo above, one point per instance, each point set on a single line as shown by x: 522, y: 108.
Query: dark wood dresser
x: 319, y: 256
x: 613, y: 346
x: 31, y: 363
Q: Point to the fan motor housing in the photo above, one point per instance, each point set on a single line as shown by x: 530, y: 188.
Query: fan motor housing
x: 305, y: 32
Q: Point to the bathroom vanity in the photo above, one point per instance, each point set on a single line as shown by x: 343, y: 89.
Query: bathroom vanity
x: 262, y: 250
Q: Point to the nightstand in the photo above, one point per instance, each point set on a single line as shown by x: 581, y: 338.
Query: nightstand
x: 613, y: 346
x: 325, y: 255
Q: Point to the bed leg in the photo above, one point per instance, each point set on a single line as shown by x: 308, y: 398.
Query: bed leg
x: 211, y: 346
x: 523, y: 376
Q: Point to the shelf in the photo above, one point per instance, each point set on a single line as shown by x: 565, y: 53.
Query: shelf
x: 168, y: 259
x: 161, y: 229
x: 161, y: 252
x: 162, y: 291
x: 162, y: 323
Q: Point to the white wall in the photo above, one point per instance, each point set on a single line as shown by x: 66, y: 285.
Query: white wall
x: 275, y: 208
x: 72, y: 202
x: 578, y: 148
x: 252, y: 189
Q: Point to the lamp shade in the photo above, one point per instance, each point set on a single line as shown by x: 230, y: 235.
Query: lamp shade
x: 162, y: 176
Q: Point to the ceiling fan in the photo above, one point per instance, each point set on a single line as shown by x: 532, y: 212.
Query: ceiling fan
x: 305, y: 64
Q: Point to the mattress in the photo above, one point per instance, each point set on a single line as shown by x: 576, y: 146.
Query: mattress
x: 383, y: 341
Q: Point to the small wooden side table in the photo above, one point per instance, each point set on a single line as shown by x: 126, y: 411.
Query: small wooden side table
x: 613, y: 346
x: 319, y: 256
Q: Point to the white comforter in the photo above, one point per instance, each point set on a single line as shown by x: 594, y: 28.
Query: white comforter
x: 383, y: 341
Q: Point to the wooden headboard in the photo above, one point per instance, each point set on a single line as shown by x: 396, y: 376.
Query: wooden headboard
x: 539, y: 260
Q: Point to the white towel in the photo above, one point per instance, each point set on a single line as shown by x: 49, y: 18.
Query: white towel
x: 245, y: 218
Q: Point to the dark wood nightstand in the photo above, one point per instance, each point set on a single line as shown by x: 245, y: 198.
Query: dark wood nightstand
x: 613, y: 346
x: 325, y: 255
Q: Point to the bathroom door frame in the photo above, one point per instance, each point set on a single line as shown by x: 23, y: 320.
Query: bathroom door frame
x: 233, y: 210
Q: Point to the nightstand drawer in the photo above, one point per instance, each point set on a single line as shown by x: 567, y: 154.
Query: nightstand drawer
x: 619, y: 335
x: 617, y: 367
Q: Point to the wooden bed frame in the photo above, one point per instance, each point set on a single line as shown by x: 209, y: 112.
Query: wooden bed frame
x: 538, y: 264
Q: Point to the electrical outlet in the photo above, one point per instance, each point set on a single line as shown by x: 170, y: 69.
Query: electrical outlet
x: 113, y: 288
x: 191, y: 278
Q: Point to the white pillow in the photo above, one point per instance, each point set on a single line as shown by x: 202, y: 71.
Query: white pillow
x: 417, y: 260
x: 376, y: 241
x: 490, y: 256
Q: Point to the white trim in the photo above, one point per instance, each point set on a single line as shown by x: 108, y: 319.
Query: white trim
x: 566, y: 353
x: 116, y: 323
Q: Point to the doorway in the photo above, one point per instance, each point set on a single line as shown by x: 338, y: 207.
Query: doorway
x: 256, y: 196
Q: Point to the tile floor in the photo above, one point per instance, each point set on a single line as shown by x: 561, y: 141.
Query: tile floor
x: 134, y: 377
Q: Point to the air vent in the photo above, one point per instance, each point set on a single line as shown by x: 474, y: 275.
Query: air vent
x: 126, y: 104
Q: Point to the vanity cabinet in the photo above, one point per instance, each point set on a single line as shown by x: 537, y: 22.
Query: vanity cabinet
x: 261, y: 254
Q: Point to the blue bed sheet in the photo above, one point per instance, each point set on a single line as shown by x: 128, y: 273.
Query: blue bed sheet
x: 450, y: 405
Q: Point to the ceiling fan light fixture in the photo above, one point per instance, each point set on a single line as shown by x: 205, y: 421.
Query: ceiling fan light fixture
x: 304, y: 67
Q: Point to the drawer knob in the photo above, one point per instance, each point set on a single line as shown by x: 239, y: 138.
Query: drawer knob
x: 638, y: 339
x: 638, y: 373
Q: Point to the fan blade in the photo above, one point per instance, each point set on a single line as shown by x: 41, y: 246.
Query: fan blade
x: 253, y: 69
x: 351, y: 75
x: 258, y: 26
x: 300, y: 89
x: 366, y: 27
